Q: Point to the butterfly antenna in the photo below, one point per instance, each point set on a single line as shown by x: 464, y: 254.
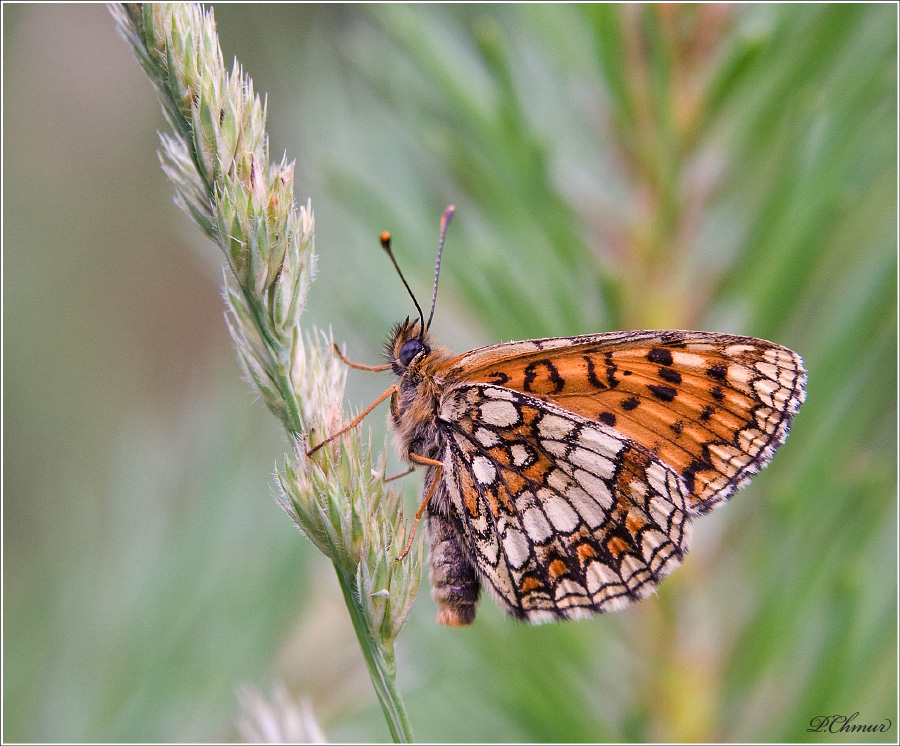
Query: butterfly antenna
x: 445, y: 221
x: 386, y: 245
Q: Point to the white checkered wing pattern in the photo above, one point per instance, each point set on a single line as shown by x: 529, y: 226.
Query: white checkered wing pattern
x: 563, y: 516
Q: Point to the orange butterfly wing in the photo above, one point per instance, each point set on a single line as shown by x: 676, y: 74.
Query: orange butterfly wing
x: 713, y: 407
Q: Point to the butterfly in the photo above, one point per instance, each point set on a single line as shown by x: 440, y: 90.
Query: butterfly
x: 563, y: 474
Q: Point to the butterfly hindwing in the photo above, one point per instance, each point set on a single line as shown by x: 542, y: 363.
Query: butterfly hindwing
x: 713, y: 407
x: 562, y: 516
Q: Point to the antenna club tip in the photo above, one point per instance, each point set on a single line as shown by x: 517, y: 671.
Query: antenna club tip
x: 385, y: 239
x: 445, y: 220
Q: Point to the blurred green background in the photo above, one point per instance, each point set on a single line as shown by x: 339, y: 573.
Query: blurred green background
x: 729, y: 168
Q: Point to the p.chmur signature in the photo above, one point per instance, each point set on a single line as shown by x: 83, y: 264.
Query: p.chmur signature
x: 845, y: 724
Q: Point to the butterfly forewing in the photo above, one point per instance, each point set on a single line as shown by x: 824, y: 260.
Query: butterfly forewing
x: 562, y: 516
x: 713, y: 407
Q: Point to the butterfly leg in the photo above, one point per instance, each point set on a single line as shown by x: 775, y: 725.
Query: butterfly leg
x: 421, y: 511
x: 401, y: 474
x: 359, y: 366
x: 392, y: 391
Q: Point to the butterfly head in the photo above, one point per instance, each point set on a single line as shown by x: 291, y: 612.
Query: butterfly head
x: 407, y: 346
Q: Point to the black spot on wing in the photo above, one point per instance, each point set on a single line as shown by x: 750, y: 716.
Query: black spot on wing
x: 660, y: 356
x: 663, y: 393
x: 672, y: 376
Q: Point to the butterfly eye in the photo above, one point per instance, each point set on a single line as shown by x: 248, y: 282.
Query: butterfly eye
x: 409, y: 350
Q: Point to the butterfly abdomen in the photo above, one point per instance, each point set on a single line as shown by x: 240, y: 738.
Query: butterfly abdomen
x: 454, y: 584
